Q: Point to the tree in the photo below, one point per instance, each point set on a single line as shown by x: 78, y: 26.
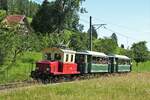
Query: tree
x: 122, y: 46
x: 79, y: 41
x: 57, y: 16
x: 26, y: 7
x: 140, y: 52
x: 94, y: 32
x: 114, y: 38
x: 13, y: 43
x: 2, y: 14
x: 3, y: 5
x: 43, y: 21
x: 106, y: 45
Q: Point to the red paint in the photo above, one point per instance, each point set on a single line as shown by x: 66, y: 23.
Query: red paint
x: 58, y: 68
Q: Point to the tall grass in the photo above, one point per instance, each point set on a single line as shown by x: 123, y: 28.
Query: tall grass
x: 125, y: 87
x: 142, y: 67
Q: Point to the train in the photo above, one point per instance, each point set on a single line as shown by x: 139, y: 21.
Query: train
x: 61, y: 63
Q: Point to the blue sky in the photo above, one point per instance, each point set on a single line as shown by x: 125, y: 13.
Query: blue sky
x: 130, y: 19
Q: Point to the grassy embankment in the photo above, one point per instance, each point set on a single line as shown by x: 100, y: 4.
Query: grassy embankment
x: 22, y: 69
x: 132, y: 86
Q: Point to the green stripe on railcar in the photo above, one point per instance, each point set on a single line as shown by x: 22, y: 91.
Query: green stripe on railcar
x: 124, y: 68
x: 99, y: 68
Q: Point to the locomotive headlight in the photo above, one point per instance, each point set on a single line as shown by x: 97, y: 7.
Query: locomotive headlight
x: 47, y: 69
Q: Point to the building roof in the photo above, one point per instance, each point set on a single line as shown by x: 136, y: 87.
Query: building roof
x: 93, y: 53
x: 14, y: 19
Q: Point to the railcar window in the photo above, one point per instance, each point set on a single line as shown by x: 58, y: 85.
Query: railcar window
x: 100, y: 60
x: 57, y: 56
x: 123, y: 62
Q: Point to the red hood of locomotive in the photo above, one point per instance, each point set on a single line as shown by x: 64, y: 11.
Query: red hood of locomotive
x: 43, y: 65
x: 44, y: 62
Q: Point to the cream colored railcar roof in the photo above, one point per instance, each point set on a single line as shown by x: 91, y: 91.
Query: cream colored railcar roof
x: 120, y: 56
x: 93, y: 53
x: 58, y: 50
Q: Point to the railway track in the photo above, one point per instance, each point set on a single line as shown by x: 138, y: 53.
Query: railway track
x: 35, y: 82
x: 17, y: 85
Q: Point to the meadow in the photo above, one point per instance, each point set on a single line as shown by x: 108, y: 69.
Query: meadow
x: 132, y: 86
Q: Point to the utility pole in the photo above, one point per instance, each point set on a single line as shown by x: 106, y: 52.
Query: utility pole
x: 90, y: 33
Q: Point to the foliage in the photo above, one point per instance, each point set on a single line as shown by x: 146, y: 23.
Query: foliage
x: 14, y: 43
x: 21, y: 70
x: 78, y: 41
x: 3, y: 4
x: 94, y: 32
x: 122, y: 51
x: 140, y: 52
x: 114, y: 38
x: 122, y: 46
x: 106, y: 45
x: 57, y: 16
x: 26, y: 7
x: 142, y: 67
x: 43, y: 21
x: 2, y: 14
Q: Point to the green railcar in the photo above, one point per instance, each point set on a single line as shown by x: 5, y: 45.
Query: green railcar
x: 99, y: 68
x: 120, y: 63
x: 92, y: 62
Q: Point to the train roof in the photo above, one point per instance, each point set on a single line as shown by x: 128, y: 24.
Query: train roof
x: 58, y: 49
x: 67, y: 51
x: 93, y: 53
x: 120, y: 56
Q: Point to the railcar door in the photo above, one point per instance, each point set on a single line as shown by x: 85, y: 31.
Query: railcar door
x: 111, y: 61
x: 81, y: 60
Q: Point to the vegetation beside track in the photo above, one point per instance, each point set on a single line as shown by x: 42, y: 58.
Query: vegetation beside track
x: 142, y: 67
x: 133, y: 86
x: 21, y: 70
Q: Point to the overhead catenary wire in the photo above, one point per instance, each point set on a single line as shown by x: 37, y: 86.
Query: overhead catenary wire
x: 118, y: 33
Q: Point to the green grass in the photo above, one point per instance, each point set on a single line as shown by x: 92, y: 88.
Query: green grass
x: 22, y: 69
x: 142, y: 67
x: 134, y: 86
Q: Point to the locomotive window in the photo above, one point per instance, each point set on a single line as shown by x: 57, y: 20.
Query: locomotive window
x: 67, y: 57
x: 57, y: 56
x: 71, y: 58
x: 48, y: 56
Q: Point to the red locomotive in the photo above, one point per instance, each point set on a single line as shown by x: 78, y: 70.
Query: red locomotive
x: 57, y: 62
